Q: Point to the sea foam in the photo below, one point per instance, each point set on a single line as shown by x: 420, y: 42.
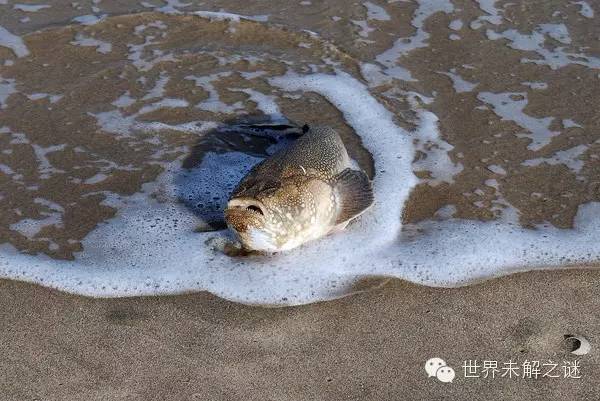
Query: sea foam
x: 150, y: 247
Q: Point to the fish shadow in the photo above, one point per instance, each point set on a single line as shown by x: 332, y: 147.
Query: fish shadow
x: 221, y: 157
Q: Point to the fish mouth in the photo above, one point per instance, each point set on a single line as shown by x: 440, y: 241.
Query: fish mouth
x: 242, y: 214
x: 246, y: 218
x: 248, y: 205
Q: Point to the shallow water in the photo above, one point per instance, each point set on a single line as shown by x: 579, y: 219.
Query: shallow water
x: 121, y: 132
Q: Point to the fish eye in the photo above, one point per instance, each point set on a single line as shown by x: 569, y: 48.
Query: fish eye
x: 255, y: 209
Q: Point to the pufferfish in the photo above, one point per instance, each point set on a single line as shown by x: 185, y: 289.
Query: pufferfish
x: 298, y: 194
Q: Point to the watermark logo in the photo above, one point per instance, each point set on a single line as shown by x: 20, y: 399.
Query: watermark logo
x: 436, y: 367
x: 492, y: 369
x: 528, y: 369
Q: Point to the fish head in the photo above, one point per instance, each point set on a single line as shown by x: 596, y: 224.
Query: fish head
x: 276, y: 219
x: 251, y: 221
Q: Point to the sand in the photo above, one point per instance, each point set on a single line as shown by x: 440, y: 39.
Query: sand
x: 370, y: 346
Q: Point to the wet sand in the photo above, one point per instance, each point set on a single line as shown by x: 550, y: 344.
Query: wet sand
x: 371, y: 346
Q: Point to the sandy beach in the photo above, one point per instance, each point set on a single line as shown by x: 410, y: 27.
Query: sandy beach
x: 371, y: 346
x: 124, y: 127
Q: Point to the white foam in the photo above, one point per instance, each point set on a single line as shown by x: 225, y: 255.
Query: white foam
x: 6, y: 169
x: 265, y: 103
x: 163, y: 103
x: 7, y: 88
x: 569, y: 123
x: 115, y: 122
x: 124, y: 126
x: 170, y: 6
x: 45, y: 168
x: 255, y: 74
x: 403, y: 46
x: 494, y: 15
x: 89, y: 19
x: 376, y: 76
x: 376, y: 12
x: 13, y: 42
x: 159, y: 87
x: 150, y: 246
x: 95, y: 179
x: 456, y: 25
x: 192, y: 127
x: 554, y: 58
x: 373, y: 74
x: 31, y: 227
x: 569, y: 157
x: 460, y: 84
x: 536, y: 85
x: 224, y: 16
x: 434, y: 151
x: 30, y: 8
x: 101, y: 46
x: 510, y: 106
x: 136, y: 51
x: 496, y: 169
x: 125, y: 100
x: 503, y: 210
x: 38, y: 96
x: 558, y: 32
x: 365, y: 29
x: 214, y: 103
x: 585, y: 9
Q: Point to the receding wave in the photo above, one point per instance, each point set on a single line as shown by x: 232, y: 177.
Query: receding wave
x: 123, y: 138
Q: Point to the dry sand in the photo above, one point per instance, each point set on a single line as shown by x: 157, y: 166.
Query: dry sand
x: 370, y: 346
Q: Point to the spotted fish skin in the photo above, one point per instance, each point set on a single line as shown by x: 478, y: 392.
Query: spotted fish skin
x: 298, y: 194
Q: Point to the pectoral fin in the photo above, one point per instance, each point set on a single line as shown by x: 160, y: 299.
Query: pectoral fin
x: 354, y: 192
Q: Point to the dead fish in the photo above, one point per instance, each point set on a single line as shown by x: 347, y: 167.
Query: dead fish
x: 299, y: 194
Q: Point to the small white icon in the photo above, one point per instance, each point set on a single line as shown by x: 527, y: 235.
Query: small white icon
x: 445, y: 374
x: 433, y: 364
x: 437, y: 367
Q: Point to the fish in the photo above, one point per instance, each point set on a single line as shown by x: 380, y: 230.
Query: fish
x: 299, y: 194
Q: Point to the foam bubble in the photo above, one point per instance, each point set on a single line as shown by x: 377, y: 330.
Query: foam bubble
x: 30, y: 8
x: 456, y: 25
x: 494, y: 15
x: 555, y: 58
x: 223, y: 16
x: 460, y: 84
x: 7, y: 88
x: 403, y: 46
x: 434, y: 149
x: 569, y: 157
x: 89, y: 19
x: 585, y: 9
x: 13, y: 42
x: 101, y: 46
x: 536, y: 85
x: 376, y: 12
x: 52, y: 216
x: 510, y: 106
